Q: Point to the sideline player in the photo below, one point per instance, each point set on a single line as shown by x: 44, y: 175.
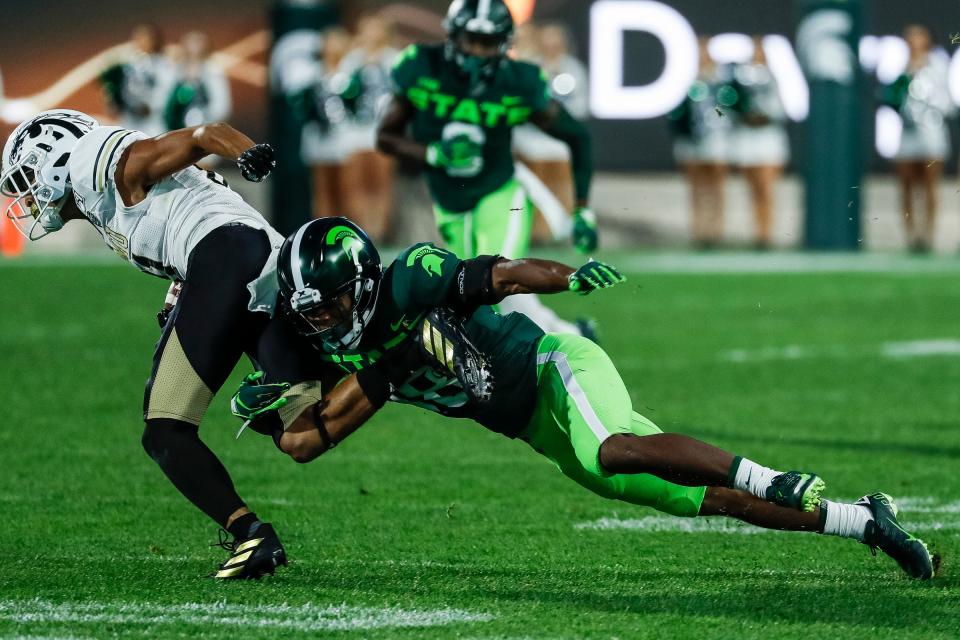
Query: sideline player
x: 170, y: 219
x: 559, y: 393
x: 461, y: 100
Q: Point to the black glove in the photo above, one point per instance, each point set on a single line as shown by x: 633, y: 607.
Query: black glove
x: 257, y: 162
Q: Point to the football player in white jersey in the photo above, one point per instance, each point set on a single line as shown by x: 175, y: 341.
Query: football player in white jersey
x: 169, y: 218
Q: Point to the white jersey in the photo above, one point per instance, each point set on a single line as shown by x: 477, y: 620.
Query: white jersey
x: 158, y: 234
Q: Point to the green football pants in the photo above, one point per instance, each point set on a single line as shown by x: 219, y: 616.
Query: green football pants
x: 581, y: 402
x: 500, y: 224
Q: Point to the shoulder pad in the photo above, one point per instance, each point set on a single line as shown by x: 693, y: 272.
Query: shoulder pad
x: 96, y: 153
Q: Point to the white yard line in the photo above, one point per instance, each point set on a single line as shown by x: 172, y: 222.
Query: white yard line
x: 899, y: 350
x: 306, y: 617
x: 921, y: 348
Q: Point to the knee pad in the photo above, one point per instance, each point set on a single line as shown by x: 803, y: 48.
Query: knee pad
x: 159, y: 434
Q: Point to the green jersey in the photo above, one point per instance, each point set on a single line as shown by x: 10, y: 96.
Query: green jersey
x: 419, y: 280
x: 440, y: 95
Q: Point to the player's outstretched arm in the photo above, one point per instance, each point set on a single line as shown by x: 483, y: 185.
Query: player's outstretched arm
x: 148, y: 161
x: 324, y: 425
x: 529, y: 275
x: 321, y: 425
x: 556, y: 121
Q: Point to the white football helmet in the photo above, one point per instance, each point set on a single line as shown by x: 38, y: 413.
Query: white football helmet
x: 34, y: 169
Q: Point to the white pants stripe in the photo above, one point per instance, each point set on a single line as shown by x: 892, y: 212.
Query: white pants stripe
x: 559, y: 360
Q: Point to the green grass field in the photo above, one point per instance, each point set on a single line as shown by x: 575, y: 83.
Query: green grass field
x: 418, y: 527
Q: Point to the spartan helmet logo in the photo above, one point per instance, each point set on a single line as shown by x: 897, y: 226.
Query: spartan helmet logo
x: 348, y: 240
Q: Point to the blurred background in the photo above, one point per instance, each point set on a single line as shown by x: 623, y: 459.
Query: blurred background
x: 747, y: 124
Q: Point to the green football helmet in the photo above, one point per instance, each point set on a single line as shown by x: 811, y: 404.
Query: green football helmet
x: 487, y: 23
x: 329, y: 273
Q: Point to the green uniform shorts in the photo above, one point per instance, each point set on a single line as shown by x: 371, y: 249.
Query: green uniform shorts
x: 582, y: 401
x: 500, y: 224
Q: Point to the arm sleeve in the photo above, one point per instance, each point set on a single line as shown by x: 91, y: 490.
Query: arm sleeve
x: 474, y: 285
x: 563, y: 127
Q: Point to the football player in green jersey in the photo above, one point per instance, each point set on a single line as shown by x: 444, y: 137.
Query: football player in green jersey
x: 421, y: 332
x: 454, y: 107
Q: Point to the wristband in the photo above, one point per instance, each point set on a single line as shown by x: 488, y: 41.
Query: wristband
x: 375, y: 385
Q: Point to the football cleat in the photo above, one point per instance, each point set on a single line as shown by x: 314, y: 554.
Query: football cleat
x: 885, y: 533
x: 796, y: 490
x: 444, y: 343
x: 251, y: 557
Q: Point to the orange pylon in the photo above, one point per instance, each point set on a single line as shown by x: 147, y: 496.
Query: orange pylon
x: 11, y: 242
x: 521, y: 10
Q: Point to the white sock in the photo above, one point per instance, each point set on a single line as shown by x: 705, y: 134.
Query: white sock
x: 753, y: 478
x: 544, y: 317
x: 845, y: 520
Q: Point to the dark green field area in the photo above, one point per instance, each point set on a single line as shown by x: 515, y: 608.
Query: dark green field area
x: 418, y: 527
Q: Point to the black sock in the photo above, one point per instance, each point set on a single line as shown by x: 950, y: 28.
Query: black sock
x: 245, y: 526
x: 192, y: 467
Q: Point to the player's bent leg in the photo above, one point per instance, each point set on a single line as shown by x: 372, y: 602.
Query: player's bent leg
x: 569, y: 443
x: 204, y: 337
x: 192, y: 467
x: 582, y: 391
x: 688, y: 461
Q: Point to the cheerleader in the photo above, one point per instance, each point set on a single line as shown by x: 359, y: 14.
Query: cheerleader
x: 701, y: 125
x: 325, y: 105
x: 201, y: 92
x: 760, y: 145
x: 921, y: 96
x: 137, y: 88
x: 368, y: 175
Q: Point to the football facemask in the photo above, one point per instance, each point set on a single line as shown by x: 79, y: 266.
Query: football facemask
x: 334, y: 320
x: 34, y: 207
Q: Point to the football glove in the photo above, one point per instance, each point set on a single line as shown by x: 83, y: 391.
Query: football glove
x: 444, y: 343
x: 594, y: 275
x: 254, y: 400
x: 257, y: 162
x: 584, y: 230
x: 460, y: 156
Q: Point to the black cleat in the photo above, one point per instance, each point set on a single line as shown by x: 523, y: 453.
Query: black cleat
x: 252, y: 557
x: 796, y: 490
x: 885, y: 533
